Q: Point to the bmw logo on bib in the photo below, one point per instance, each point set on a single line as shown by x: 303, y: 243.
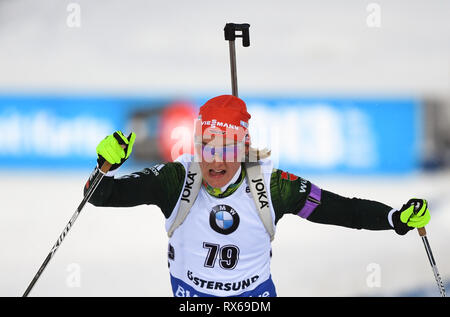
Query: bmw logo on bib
x: 223, y: 219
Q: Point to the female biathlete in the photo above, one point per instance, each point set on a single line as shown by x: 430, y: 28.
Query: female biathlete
x: 222, y: 204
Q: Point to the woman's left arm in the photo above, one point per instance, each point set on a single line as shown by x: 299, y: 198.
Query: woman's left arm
x: 295, y: 195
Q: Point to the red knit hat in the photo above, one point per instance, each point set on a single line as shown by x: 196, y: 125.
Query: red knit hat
x: 224, y: 115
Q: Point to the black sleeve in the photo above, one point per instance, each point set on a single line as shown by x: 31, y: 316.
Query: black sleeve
x: 291, y: 193
x: 351, y: 212
x: 159, y: 185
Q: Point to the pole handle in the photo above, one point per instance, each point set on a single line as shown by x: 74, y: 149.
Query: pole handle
x: 422, y: 232
x: 105, y: 167
x: 230, y: 32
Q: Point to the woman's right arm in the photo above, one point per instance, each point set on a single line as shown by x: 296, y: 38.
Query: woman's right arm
x: 159, y: 185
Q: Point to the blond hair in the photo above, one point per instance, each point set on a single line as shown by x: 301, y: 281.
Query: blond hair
x: 253, y: 154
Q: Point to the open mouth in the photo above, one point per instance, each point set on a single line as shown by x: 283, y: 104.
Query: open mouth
x: 216, y: 173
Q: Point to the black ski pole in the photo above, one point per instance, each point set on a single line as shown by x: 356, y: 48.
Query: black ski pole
x: 97, y: 178
x: 230, y: 36
x: 423, y: 234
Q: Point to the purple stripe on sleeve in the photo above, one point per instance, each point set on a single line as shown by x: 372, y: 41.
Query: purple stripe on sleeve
x: 310, y: 205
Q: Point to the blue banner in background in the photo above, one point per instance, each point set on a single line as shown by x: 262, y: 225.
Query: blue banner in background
x: 45, y: 132
x: 306, y: 135
x: 350, y: 136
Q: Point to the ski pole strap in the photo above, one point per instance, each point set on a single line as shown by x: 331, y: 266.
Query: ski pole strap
x: 230, y: 32
x: 312, y: 201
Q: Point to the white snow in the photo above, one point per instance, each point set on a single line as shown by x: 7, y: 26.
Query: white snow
x: 123, y: 251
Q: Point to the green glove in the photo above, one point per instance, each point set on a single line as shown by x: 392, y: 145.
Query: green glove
x: 116, y: 149
x: 417, y: 219
x: 413, y: 214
